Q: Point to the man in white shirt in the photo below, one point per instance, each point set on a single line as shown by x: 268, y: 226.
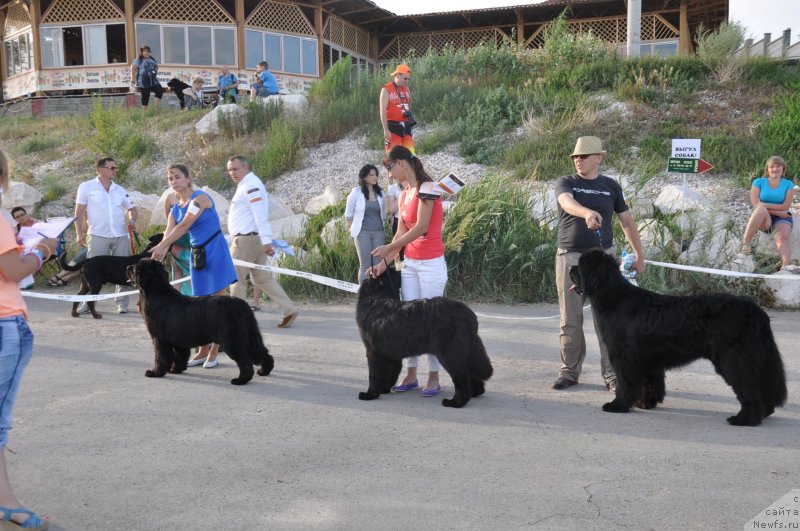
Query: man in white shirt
x: 100, y: 213
x: 248, y: 223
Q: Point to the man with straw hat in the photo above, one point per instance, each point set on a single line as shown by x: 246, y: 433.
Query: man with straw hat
x: 396, y: 117
x: 586, y: 202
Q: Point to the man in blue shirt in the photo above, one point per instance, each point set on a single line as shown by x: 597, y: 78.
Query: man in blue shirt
x: 227, y: 85
x: 265, y: 83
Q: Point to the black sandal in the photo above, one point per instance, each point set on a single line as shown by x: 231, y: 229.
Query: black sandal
x: 56, y: 281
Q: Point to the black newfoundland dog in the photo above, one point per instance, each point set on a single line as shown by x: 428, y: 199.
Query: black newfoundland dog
x: 177, y: 323
x: 177, y: 87
x: 393, y: 330
x: 99, y: 270
x: 647, y: 333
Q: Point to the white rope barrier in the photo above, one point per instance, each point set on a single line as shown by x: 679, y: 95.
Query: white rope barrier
x: 353, y: 288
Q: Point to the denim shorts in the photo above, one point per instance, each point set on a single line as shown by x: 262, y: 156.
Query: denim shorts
x: 16, y: 347
x: 776, y: 219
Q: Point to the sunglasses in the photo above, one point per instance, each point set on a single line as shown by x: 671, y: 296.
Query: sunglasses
x: 582, y: 157
x: 112, y: 168
x: 390, y: 165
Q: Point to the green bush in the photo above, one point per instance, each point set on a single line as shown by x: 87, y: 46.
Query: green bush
x: 335, y: 260
x: 117, y: 135
x: 495, y: 251
x: 282, y: 151
x: 780, y: 135
x: 37, y: 144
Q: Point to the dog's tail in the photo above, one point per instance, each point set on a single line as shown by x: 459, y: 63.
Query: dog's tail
x: 66, y: 266
x: 773, y: 376
x: 479, y: 363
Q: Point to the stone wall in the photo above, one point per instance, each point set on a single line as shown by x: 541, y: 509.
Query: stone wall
x: 76, y: 105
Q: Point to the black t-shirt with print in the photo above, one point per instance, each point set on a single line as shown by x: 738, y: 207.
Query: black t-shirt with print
x: 603, y: 195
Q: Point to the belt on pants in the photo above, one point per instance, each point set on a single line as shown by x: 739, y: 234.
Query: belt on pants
x: 248, y: 234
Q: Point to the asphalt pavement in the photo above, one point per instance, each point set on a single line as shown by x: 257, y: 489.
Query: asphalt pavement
x: 97, y: 446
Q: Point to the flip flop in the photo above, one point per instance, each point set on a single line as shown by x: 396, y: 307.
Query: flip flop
x: 255, y: 308
x: 56, y: 281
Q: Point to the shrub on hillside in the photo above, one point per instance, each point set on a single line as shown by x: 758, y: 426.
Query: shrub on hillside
x: 495, y: 250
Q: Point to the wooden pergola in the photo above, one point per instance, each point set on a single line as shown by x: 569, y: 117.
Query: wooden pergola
x: 327, y: 29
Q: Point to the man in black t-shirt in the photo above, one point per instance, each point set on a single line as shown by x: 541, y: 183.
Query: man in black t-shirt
x: 586, y: 203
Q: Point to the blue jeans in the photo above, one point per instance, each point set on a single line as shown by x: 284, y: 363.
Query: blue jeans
x: 16, y: 347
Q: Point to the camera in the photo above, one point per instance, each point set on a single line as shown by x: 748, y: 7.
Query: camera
x: 409, y: 118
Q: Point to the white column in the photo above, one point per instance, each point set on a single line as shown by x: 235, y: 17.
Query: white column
x: 634, y: 28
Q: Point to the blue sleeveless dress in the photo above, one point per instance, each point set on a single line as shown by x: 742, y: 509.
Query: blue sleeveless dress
x: 219, y: 272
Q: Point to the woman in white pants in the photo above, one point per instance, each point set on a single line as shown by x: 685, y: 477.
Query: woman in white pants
x: 419, y: 231
x: 365, y: 214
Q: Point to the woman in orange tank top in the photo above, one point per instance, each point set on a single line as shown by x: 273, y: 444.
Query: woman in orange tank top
x: 16, y: 346
x: 424, y: 272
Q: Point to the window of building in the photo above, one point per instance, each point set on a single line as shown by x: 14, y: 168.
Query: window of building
x: 189, y: 45
x: 332, y: 53
x: 283, y: 53
x: 19, y: 54
x: 95, y: 44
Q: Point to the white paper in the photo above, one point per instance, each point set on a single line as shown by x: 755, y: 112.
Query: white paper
x: 53, y: 228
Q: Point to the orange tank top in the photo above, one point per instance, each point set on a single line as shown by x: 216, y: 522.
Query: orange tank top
x: 430, y: 244
x: 399, y: 100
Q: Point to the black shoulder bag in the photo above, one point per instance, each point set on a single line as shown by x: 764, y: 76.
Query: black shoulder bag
x: 199, y: 253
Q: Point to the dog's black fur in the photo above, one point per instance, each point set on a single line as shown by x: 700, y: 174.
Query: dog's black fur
x: 177, y: 323
x: 647, y: 333
x: 99, y: 270
x: 177, y: 87
x: 392, y: 330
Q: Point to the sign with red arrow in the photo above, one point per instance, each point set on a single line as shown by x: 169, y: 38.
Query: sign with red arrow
x: 683, y: 165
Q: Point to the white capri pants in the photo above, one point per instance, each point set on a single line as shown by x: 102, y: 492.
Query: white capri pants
x: 423, y: 279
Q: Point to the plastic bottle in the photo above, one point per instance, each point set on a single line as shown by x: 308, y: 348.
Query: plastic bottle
x: 626, y: 262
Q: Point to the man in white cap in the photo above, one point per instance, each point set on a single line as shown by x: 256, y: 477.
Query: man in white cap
x: 395, y: 107
x: 586, y: 203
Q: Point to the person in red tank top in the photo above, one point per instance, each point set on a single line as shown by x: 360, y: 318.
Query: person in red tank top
x: 395, y: 107
x: 424, y: 272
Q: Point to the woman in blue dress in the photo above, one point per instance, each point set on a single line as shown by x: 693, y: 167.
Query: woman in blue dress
x: 194, y: 213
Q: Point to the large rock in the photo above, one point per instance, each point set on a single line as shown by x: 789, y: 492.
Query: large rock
x: 293, y: 104
x: 289, y: 228
x: 544, y: 207
x: 21, y: 194
x: 786, y: 288
x: 278, y: 209
x: 673, y: 199
x: 331, y: 229
x: 221, y: 205
x: 712, y: 245
x: 329, y: 197
x: 144, y: 203
x: 209, y: 124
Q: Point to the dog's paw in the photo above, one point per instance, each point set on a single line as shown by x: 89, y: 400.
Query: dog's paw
x: 615, y: 407
x: 646, y: 404
x: 368, y: 396
x: 262, y: 372
x: 97, y: 315
x: 240, y: 381
x: 448, y: 402
x: 742, y: 420
x: 152, y: 374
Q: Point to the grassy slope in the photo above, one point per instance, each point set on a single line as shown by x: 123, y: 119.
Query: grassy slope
x: 517, y: 112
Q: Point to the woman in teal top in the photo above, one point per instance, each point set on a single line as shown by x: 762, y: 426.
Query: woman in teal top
x: 771, y: 197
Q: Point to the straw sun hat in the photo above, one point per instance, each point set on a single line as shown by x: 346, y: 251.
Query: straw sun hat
x: 588, y: 145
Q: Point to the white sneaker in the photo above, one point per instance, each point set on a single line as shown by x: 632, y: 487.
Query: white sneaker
x: 195, y: 363
x: 209, y: 364
x: 83, y: 308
